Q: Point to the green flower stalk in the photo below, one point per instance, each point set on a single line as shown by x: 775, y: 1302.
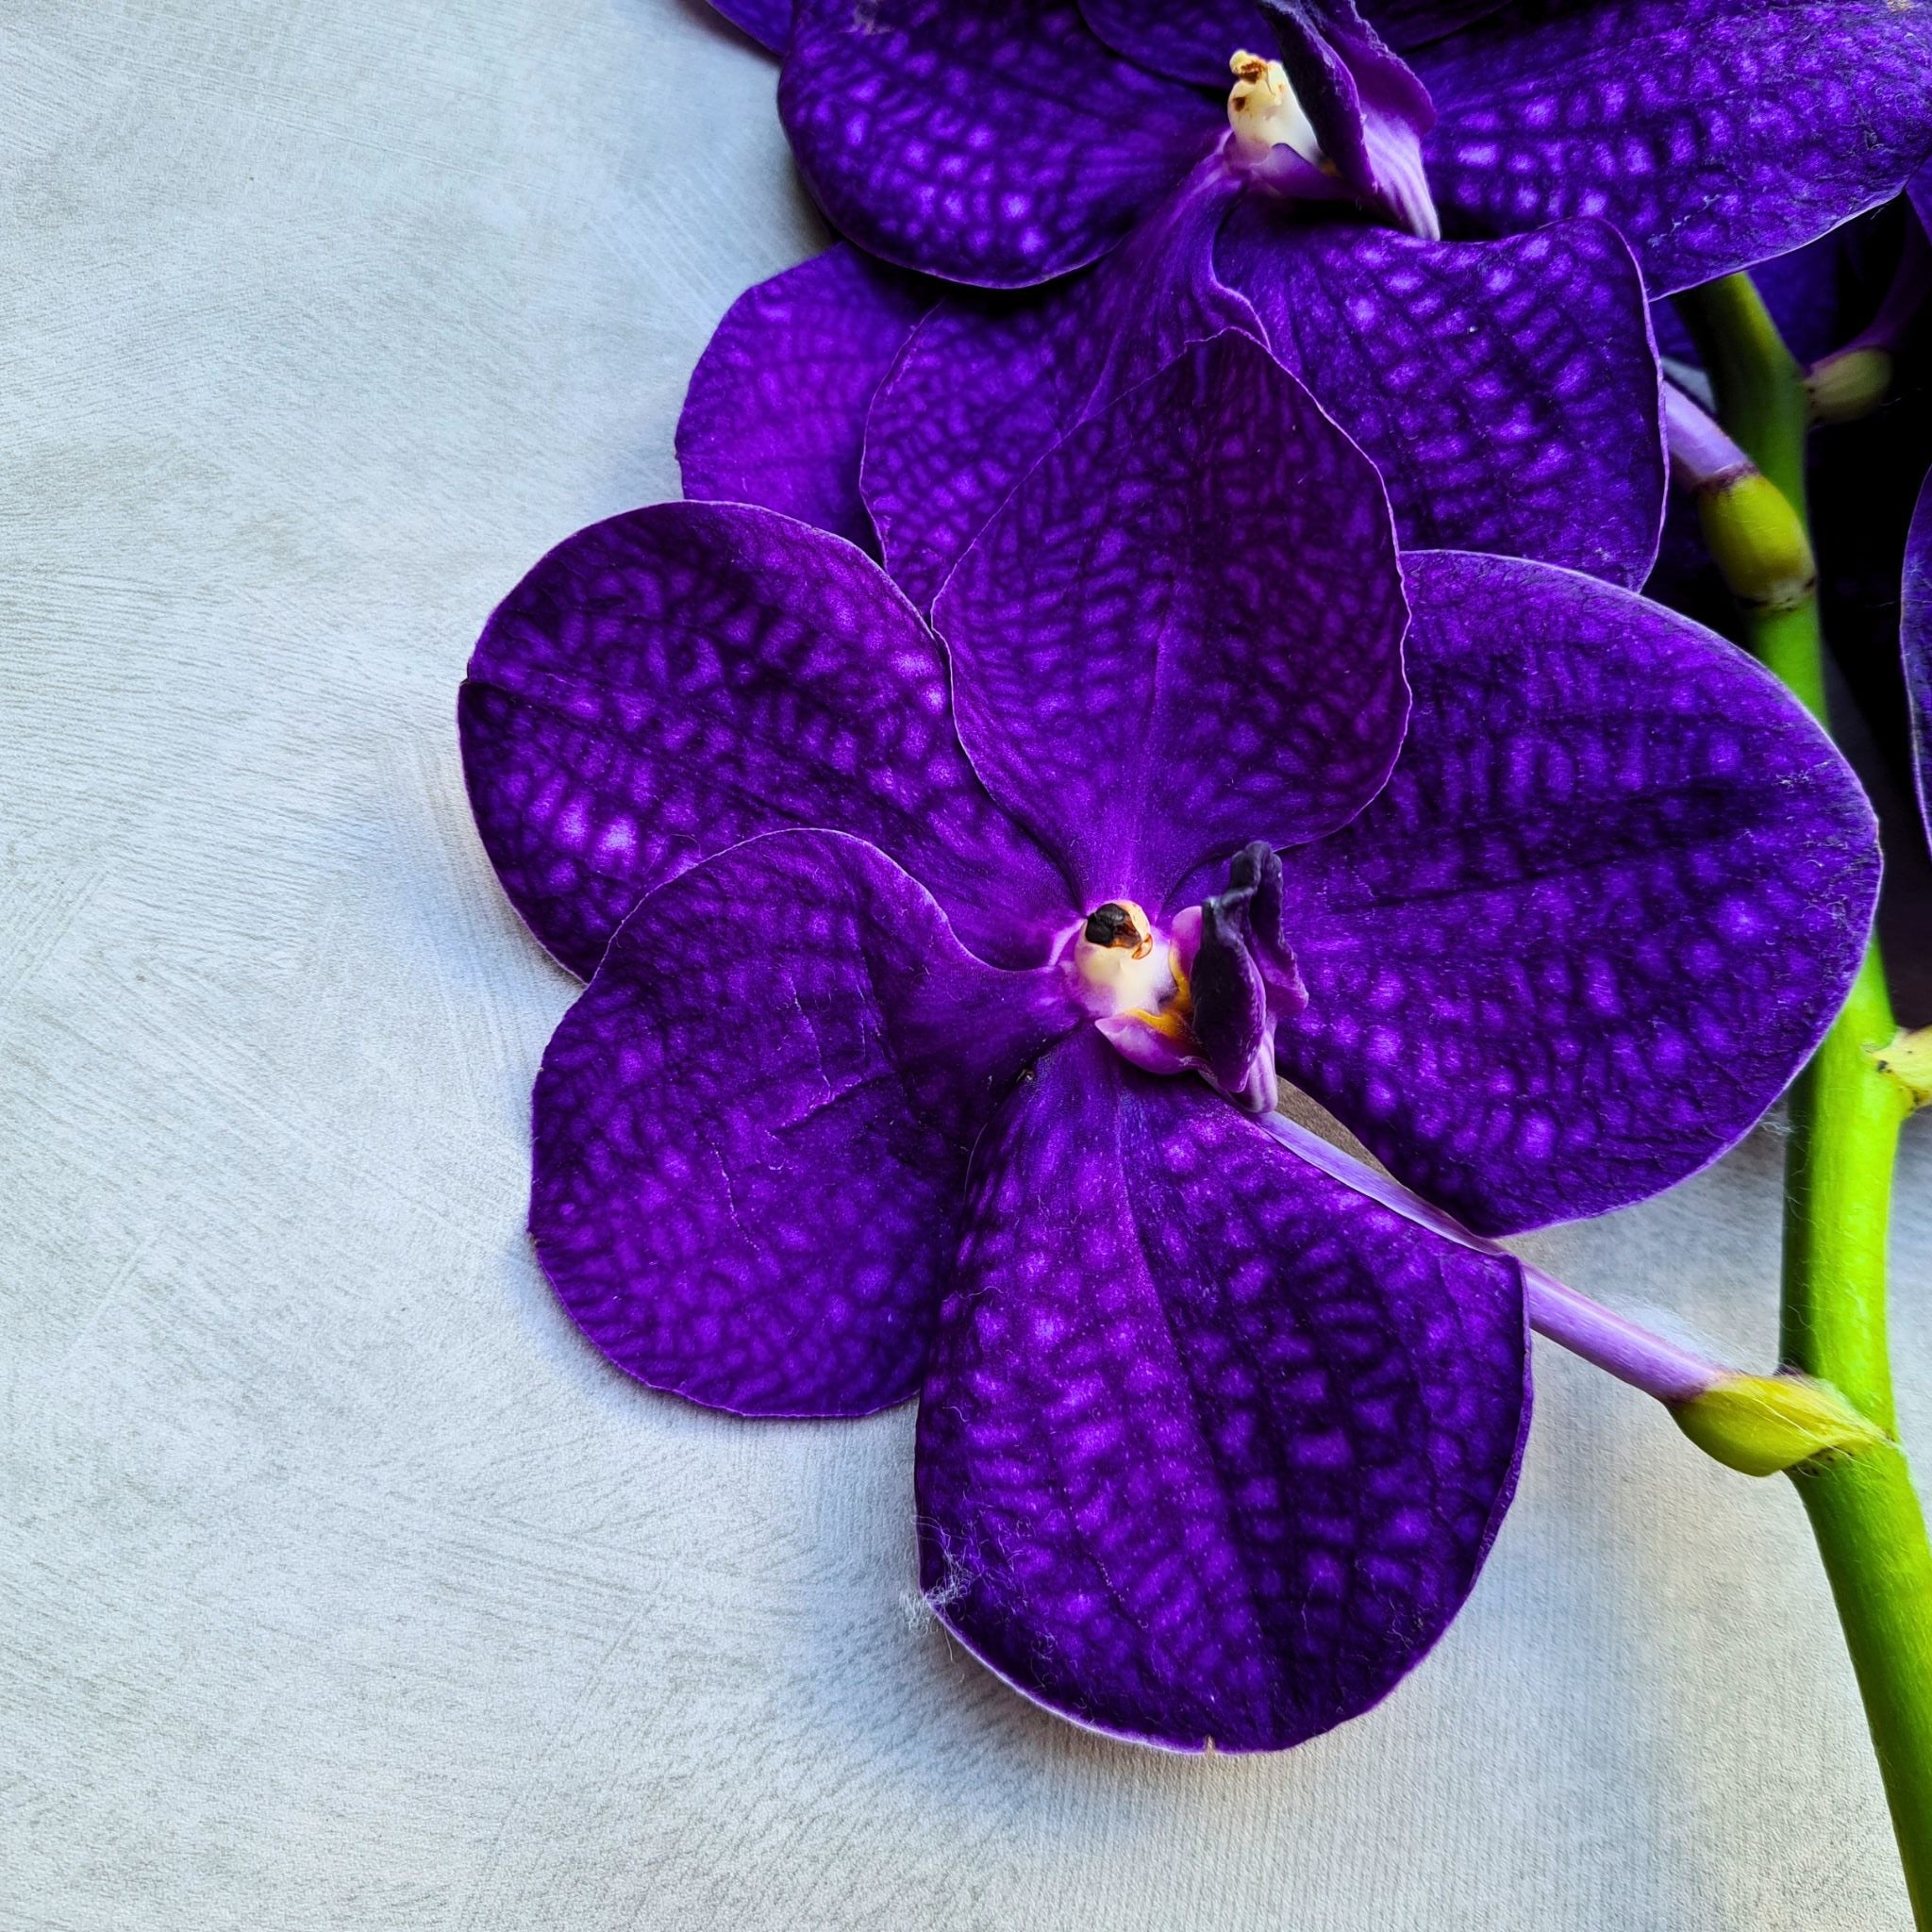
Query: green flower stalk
x: 1846, y: 1112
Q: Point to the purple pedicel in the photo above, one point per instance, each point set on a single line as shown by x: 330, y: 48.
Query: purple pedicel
x: 1915, y: 638
x: 1212, y: 1441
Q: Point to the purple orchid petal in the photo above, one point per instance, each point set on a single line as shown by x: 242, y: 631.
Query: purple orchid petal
x: 775, y: 411
x: 1802, y: 291
x: 1409, y: 24
x: 1915, y: 634
x: 996, y: 145
x: 1186, y: 39
x: 1610, y: 898
x: 1367, y: 107
x: 768, y: 22
x: 1506, y: 391
x: 1713, y: 133
x: 1212, y: 1446
x: 1194, y: 39
x: 667, y: 683
x: 751, y: 1131
x: 986, y: 384
x: 1183, y: 630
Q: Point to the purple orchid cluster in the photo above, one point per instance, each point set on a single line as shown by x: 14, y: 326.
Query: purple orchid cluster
x: 1155, y: 622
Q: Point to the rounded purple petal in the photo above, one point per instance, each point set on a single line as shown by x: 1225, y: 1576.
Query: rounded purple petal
x: 988, y: 383
x: 675, y: 680
x: 1212, y: 1446
x: 1713, y: 133
x: 1183, y: 630
x: 751, y: 1131
x: 776, y: 410
x: 1915, y: 635
x: 1506, y: 391
x: 1613, y: 893
x: 998, y: 145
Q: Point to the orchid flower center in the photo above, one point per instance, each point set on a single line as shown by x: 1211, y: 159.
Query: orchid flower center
x: 1206, y: 995
x: 1264, y: 113
x: 1119, y: 963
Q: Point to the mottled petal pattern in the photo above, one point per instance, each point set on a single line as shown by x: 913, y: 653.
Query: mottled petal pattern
x: 988, y: 383
x: 1607, y: 904
x: 667, y: 683
x: 1212, y: 1446
x: 776, y: 410
x: 751, y: 1131
x: 1506, y: 391
x: 1192, y: 40
x: 1183, y: 630
x: 996, y: 145
x: 1915, y: 634
x: 1189, y: 40
x: 1713, y: 133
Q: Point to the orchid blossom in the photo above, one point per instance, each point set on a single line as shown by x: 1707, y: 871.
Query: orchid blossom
x: 944, y: 976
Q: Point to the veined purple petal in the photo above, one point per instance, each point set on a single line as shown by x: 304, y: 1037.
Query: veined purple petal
x: 1194, y: 39
x: 988, y: 383
x: 1407, y: 24
x: 1713, y: 133
x: 1506, y: 391
x: 667, y: 683
x: 998, y: 144
x: 1608, y: 903
x: 1915, y: 635
x: 768, y: 22
x: 1212, y: 1446
x: 1187, y: 40
x: 775, y: 411
x: 751, y: 1131
x: 1183, y: 630
x: 1367, y: 109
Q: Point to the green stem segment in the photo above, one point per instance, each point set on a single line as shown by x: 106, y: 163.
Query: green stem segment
x: 1845, y: 1112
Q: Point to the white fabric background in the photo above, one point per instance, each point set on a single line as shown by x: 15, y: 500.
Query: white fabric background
x: 342, y: 1586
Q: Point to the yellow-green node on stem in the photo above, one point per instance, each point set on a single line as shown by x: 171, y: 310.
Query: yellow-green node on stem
x: 1907, y: 1057
x: 1763, y: 1424
x: 1757, y: 541
x: 1849, y: 385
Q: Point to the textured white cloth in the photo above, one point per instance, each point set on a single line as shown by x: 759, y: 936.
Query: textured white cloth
x: 342, y: 1586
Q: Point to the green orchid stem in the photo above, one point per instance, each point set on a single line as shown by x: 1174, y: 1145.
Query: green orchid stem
x: 1845, y: 1111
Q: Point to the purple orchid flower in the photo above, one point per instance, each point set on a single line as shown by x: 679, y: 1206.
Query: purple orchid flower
x: 1507, y: 390
x: 944, y: 979
x: 1008, y: 142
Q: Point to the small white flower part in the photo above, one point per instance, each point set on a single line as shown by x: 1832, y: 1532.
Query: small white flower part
x: 1264, y: 113
x: 1119, y: 964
